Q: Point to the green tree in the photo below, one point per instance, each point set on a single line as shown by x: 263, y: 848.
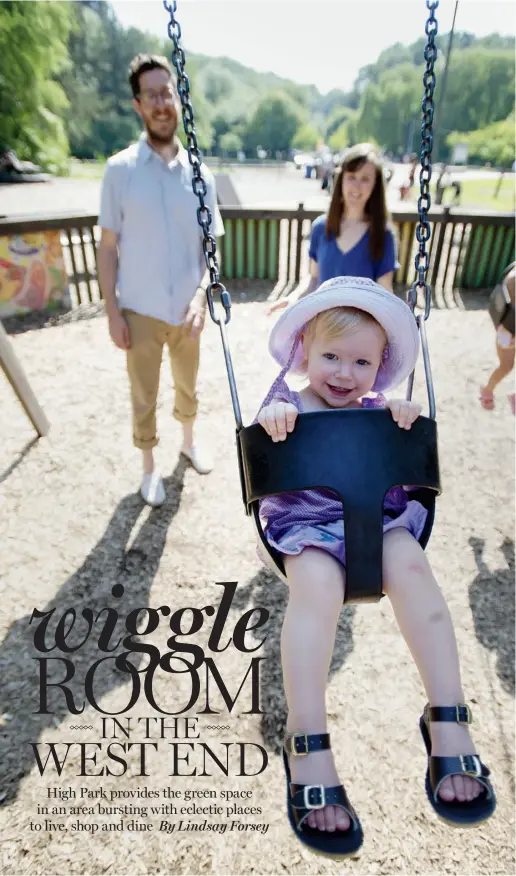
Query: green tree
x: 338, y: 116
x: 33, y: 49
x: 230, y: 143
x: 495, y: 143
x: 273, y: 125
x: 218, y: 84
x: 101, y: 119
x: 80, y: 80
x: 334, y: 100
x: 306, y: 138
x: 387, y: 106
x: 340, y: 138
x: 480, y: 89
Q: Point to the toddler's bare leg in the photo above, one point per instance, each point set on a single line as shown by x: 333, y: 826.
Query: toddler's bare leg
x: 426, y: 625
x: 316, y: 591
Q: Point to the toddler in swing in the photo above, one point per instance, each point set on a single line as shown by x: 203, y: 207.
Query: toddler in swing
x: 351, y: 338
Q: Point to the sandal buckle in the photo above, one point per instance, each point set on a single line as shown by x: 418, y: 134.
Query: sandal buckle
x: 463, y: 713
x: 471, y: 765
x: 320, y: 802
x: 295, y: 751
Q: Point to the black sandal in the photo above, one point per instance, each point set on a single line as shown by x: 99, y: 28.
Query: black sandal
x: 303, y: 799
x: 456, y: 813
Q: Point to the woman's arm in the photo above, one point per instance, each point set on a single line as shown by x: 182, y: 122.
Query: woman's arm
x: 308, y: 285
x: 387, y: 281
x: 388, y: 264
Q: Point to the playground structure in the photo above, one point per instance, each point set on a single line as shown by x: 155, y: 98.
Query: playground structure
x: 149, y: 560
x: 18, y: 380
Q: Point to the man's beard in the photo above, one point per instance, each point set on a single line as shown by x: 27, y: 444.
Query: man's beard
x: 158, y: 138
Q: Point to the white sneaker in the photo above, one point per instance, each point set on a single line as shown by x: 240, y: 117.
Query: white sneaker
x: 198, y: 459
x: 153, y: 489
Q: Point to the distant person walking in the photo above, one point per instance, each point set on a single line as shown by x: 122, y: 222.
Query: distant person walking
x: 151, y: 250
x: 354, y: 238
x: 505, y: 349
x: 406, y: 188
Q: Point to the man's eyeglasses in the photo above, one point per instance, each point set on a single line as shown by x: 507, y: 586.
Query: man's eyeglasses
x: 165, y: 95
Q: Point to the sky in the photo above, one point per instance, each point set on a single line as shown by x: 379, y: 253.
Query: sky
x: 322, y: 42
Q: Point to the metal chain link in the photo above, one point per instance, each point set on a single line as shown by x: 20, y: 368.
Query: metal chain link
x: 423, y: 228
x: 204, y: 216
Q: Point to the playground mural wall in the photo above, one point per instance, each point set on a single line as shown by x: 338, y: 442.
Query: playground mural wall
x: 32, y: 273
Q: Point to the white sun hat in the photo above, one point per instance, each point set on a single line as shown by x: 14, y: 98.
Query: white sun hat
x: 395, y: 317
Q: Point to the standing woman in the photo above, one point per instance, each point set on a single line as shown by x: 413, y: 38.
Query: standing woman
x: 354, y: 238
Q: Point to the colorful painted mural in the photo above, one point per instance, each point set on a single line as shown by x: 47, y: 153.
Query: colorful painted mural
x: 32, y: 272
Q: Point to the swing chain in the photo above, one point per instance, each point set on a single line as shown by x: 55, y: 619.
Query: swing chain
x: 423, y: 231
x: 204, y: 217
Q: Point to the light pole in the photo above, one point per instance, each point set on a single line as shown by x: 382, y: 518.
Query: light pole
x: 445, y: 77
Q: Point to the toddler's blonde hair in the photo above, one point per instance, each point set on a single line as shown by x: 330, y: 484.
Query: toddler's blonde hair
x: 337, y: 321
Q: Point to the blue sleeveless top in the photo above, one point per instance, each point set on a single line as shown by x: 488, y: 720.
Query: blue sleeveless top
x: 332, y: 262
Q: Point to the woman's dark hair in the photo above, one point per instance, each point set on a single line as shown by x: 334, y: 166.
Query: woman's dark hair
x: 142, y: 64
x: 376, y: 207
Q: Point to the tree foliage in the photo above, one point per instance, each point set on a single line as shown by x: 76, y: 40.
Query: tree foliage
x: 273, y: 124
x: 386, y: 106
x: 480, y: 89
x: 306, y: 138
x: 230, y: 144
x: 340, y: 138
x: 495, y: 143
x: 33, y: 49
x: 64, y: 87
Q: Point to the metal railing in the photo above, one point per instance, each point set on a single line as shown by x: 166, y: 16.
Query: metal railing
x: 467, y: 250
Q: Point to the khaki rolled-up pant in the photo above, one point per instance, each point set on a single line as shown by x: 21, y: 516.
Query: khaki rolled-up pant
x: 148, y: 337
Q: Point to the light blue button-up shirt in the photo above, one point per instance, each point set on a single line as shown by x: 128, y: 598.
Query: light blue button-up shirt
x: 152, y: 208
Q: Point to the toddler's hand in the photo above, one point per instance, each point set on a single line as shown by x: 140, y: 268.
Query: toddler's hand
x: 404, y: 412
x: 277, y: 419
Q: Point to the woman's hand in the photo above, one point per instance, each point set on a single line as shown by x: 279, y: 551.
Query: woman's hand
x: 280, y: 304
x: 404, y: 412
x: 278, y: 419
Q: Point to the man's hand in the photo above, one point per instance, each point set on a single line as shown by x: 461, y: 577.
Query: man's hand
x: 404, y: 412
x: 195, y: 315
x: 277, y: 419
x: 119, y: 331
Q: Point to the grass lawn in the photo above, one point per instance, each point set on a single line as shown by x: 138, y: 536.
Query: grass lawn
x: 86, y: 169
x: 480, y: 193
x: 476, y: 193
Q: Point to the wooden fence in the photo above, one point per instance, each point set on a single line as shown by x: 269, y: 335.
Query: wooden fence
x: 467, y: 251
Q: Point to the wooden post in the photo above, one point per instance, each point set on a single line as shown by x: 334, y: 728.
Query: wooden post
x: 440, y: 243
x: 16, y: 377
x: 299, y: 241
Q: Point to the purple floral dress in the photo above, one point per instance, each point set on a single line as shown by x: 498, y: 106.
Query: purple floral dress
x: 313, y: 518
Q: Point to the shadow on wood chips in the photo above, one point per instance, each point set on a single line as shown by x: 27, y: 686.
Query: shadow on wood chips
x: 109, y: 563
x: 266, y: 589
x: 491, y: 597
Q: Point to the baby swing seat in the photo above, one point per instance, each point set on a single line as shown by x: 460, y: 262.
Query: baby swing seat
x: 360, y: 456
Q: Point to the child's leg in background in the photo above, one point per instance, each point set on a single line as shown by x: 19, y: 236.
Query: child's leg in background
x: 316, y: 592
x: 426, y: 625
x: 506, y: 364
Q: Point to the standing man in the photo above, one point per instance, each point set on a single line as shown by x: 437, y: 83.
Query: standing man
x: 151, y: 248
